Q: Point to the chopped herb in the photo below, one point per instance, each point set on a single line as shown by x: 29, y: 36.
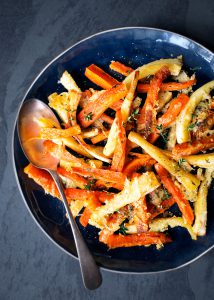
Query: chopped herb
x: 207, y: 160
x: 123, y: 229
x: 195, y: 68
x: 159, y: 127
x: 191, y: 127
x: 181, y: 161
x: 133, y: 115
x: 89, y: 184
x: 166, y: 195
x: 164, y: 135
x: 89, y: 116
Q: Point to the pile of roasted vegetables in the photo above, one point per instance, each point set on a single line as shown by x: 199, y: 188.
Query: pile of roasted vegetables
x: 133, y: 149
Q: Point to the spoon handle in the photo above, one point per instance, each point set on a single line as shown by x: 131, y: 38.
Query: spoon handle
x: 90, y: 271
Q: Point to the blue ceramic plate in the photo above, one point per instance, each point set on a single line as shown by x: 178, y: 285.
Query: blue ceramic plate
x: 134, y: 47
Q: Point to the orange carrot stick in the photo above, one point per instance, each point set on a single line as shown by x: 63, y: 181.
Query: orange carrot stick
x: 169, y: 86
x: 104, y: 196
x: 182, y: 202
x: 104, y: 184
x: 92, y: 204
x: 77, y: 194
x: 106, y: 175
x: 61, y: 153
x: 157, y: 210
x: 120, y: 68
x: 107, y: 119
x: 100, y: 77
x: 84, y: 218
x: 77, y: 179
x: 93, y: 110
x: 137, y: 163
x: 117, y: 105
x: 119, y: 156
x: 147, y: 118
x: 174, y: 109
x: 143, y: 239
x: 169, y: 116
x: 42, y: 178
x: 100, y: 137
x: 195, y: 147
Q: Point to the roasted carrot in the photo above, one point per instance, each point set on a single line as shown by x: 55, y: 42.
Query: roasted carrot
x: 93, y: 110
x: 119, y: 156
x: 117, y: 105
x: 61, y: 153
x: 84, y: 218
x: 106, y: 175
x: 169, y: 116
x: 173, y: 111
x: 169, y: 86
x: 147, y: 118
x: 106, y: 119
x: 142, y: 239
x: 42, y: 178
x: 100, y: 77
x: 157, y: 210
x: 77, y: 194
x: 80, y: 181
x: 195, y: 147
x: 93, y: 203
x: 137, y: 163
x: 120, y: 68
x: 104, y: 184
x: 100, y: 137
x: 177, y: 194
x: 104, y: 196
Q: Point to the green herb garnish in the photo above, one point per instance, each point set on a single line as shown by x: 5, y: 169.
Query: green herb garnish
x: 164, y: 135
x: 166, y: 195
x: 133, y: 115
x: 181, y: 161
x: 89, y: 116
x: 123, y: 229
x: 191, y: 127
x: 89, y: 184
x: 159, y: 127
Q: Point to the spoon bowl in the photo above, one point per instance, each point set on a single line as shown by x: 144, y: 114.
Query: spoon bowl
x: 32, y: 145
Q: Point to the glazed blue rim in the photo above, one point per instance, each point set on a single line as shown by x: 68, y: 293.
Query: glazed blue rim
x: 14, y: 164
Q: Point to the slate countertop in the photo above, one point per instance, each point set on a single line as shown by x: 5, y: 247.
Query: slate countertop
x: 33, y: 32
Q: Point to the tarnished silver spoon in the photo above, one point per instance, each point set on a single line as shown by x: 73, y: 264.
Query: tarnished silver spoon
x: 32, y: 145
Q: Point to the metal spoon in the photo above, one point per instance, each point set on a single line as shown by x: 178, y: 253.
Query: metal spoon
x: 28, y: 131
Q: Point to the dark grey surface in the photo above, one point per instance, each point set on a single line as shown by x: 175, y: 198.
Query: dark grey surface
x: 31, y: 34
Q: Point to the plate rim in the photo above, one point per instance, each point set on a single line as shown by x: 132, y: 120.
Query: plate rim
x: 14, y: 164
